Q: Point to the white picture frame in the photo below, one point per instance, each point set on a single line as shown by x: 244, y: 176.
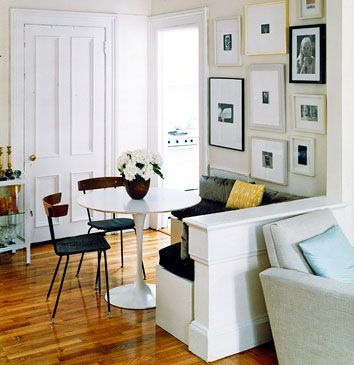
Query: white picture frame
x: 266, y: 28
x: 226, y: 113
x: 309, y: 113
x: 227, y: 36
x: 267, y: 97
x: 310, y: 9
x: 302, y: 152
x: 269, y: 160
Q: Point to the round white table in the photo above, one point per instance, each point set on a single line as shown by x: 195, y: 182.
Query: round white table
x: 158, y: 200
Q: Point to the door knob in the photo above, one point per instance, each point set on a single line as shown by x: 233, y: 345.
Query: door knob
x: 33, y: 158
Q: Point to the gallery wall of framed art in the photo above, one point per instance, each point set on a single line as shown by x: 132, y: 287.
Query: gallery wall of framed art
x: 278, y: 104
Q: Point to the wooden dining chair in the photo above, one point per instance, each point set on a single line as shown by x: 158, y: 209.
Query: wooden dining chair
x: 73, y: 245
x: 106, y: 225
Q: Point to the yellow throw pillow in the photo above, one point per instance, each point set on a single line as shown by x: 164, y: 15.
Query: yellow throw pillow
x: 245, y: 195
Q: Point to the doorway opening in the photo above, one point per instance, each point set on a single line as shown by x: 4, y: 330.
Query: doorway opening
x: 178, y: 106
x: 178, y: 90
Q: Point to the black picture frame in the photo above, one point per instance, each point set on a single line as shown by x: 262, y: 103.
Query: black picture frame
x: 307, y: 55
x: 226, y: 113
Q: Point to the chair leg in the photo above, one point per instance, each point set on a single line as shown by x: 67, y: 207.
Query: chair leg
x: 107, y: 284
x: 53, y: 278
x: 60, y: 288
x: 121, y: 249
x: 79, y: 267
x: 98, y: 275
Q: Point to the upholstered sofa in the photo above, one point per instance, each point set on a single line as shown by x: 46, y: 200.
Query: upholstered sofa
x: 311, y: 317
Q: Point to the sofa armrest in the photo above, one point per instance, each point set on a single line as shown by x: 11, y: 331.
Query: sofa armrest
x: 312, y: 318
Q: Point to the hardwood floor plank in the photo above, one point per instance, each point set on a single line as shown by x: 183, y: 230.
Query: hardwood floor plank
x: 83, y: 334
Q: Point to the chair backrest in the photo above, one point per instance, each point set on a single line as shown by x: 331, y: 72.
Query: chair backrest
x: 100, y: 183
x: 282, y: 238
x: 53, y: 210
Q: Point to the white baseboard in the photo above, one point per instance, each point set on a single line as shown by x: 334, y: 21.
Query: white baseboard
x: 214, y: 344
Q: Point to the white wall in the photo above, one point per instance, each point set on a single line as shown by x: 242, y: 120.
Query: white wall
x: 131, y: 62
x: 236, y: 161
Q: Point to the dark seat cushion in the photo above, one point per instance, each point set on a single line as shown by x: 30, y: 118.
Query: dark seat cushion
x: 203, y: 207
x: 83, y: 243
x: 114, y: 224
x: 170, y: 259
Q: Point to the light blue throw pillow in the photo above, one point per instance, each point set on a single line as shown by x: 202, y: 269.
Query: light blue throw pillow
x: 330, y: 255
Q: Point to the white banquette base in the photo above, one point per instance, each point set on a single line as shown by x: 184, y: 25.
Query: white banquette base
x: 224, y: 308
x: 174, y: 308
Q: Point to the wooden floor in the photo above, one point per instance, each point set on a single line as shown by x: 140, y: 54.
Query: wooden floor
x: 82, y: 333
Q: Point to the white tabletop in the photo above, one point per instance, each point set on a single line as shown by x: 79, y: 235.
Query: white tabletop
x: 157, y: 200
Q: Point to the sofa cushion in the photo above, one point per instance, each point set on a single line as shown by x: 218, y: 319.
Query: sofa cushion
x: 203, y: 207
x: 215, y: 188
x: 282, y: 238
x: 330, y: 255
x: 245, y: 195
x: 170, y: 259
x: 273, y: 197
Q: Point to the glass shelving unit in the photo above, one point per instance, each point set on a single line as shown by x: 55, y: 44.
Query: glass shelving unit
x: 12, y: 217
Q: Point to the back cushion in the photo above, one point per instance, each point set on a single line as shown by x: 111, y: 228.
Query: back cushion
x: 215, y: 188
x: 282, y: 238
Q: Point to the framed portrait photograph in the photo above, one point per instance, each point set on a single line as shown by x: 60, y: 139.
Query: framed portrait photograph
x: 226, y: 113
x: 267, y: 97
x: 266, y: 26
x: 308, y: 54
x: 309, y: 113
x: 269, y: 160
x: 302, y: 150
x: 228, y: 41
x: 309, y: 9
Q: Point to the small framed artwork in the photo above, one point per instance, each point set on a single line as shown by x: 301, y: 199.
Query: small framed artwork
x: 309, y: 9
x: 269, y: 160
x: 226, y: 113
x: 267, y: 97
x: 266, y: 28
x: 302, y: 156
x: 228, y: 41
x: 308, y: 54
x: 309, y: 113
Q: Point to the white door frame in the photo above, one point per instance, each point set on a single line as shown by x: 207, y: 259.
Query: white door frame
x: 21, y: 17
x: 197, y: 18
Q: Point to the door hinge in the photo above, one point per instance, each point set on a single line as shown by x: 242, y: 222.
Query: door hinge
x: 105, y: 46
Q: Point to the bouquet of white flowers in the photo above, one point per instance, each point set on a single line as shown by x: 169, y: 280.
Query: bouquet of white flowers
x: 139, y: 164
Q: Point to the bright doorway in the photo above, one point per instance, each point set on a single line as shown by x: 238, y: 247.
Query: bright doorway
x: 177, y: 128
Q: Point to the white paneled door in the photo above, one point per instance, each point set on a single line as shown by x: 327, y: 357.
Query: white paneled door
x: 64, y: 119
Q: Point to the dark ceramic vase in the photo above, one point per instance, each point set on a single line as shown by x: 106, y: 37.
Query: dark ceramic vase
x: 137, y: 189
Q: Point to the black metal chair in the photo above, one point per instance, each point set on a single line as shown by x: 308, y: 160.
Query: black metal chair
x: 106, y: 225
x: 73, y: 245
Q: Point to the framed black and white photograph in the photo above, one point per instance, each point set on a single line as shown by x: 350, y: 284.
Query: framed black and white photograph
x: 228, y: 41
x: 309, y: 113
x: 266, y: 28
x: 226, y: 113
x: 302, y: 151
x: 269, y: 160
x: 309, y: 9
x: 267, y: 97
x: 308, y: 54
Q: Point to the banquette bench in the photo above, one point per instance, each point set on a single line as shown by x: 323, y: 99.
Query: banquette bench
x: 219, y: 309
